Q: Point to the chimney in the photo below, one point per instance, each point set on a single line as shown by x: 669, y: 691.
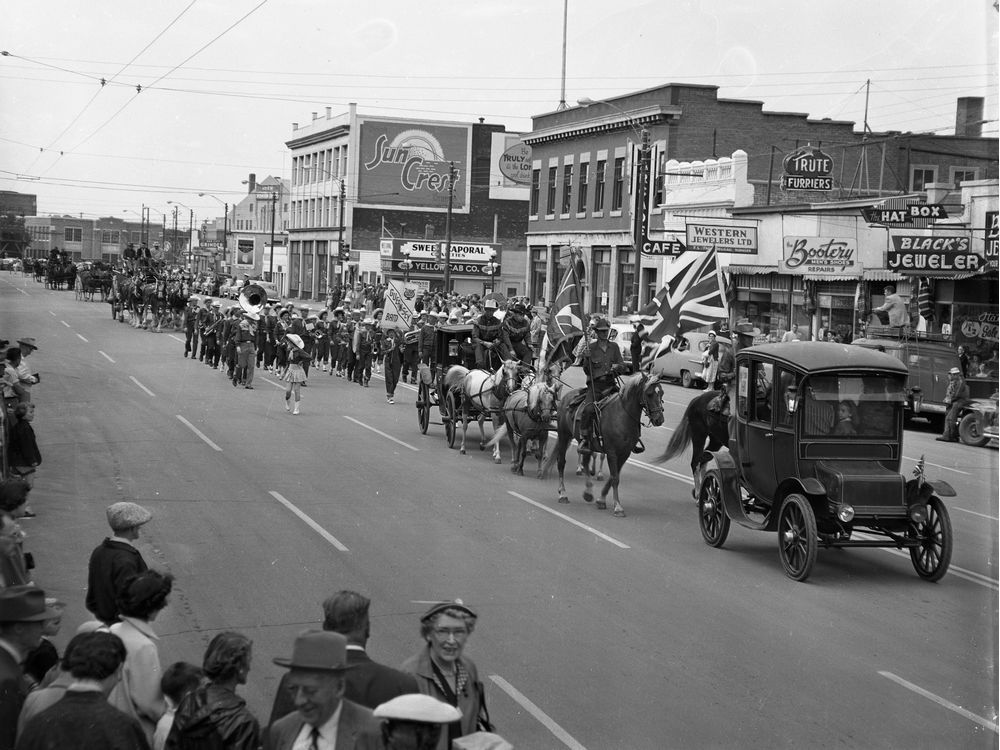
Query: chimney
x: 315, y: 115
x: 295, y: 126
x: 252, y: 183
x: 969, y: 116
x: 328, y: 110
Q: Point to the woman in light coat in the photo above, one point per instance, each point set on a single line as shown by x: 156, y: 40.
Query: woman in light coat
x: 138, y: 692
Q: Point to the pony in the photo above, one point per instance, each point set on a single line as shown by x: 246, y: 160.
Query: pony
x: 619, y: 418
x: 527, y: 413
x: 706, y: 418
x: 484, y: 392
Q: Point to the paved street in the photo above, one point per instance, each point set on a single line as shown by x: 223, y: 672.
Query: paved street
x: 594, y: 632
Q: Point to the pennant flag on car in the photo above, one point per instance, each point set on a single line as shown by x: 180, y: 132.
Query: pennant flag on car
x: 565, y: 326
x: 693, y: 296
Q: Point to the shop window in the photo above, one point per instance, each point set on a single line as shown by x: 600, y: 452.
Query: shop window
x: 618, y: 186
x: 599, y: 176
x: 567, y: 188
x: 550, y: 205
x: 581, y: 198
x: 602, y: 279
x: 626, y: 281
x: 958, y: 175
x: 920, y: 176
x: 539, y: 272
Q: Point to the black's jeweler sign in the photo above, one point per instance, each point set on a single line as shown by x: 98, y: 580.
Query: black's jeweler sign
x: 940, y: 256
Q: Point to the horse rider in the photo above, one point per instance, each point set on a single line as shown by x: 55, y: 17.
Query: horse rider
x: 486, y: 335
x: 515, y: 332
x: 601, y: 360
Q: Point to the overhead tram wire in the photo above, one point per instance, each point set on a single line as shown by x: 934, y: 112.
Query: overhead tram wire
x: 109, y: 81
x: 201, y: 49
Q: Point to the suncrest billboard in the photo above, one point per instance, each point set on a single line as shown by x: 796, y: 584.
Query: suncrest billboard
x: 409, y: 163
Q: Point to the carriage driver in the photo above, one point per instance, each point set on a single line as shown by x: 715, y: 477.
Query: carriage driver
x: 486, y: 335
x: 601, y: 361
x: 515, y: 333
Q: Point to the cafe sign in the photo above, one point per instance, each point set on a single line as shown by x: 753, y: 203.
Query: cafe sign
x: 933, y: 255
x: 807, y: 168
x: 820, y: 255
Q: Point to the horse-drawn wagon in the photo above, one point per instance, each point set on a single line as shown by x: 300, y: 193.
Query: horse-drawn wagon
x: 450, y: 348
x: 815, y: 448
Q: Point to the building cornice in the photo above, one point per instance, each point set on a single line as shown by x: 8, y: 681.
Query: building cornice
x: 337, y: 131
x: 614, y: 121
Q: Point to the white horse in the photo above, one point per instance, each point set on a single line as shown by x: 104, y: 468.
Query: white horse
x: 526, y: 416
x: 484, y: 393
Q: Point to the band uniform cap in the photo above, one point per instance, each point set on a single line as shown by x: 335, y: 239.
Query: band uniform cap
x: 217, y: 304
x: 954, y: 371
x: 312, y: 316
x: 368, y: 321
x: 28, y: 341
x: 418, y: 707
x: 440, y: 607
x: 338, y: 309
x: 25, y: 604
x: 125, y: 515
x: 490, y: 304
x: 602, y: 324
x: 712, y: 334
x: 430, y: 313
x: 318, y: 650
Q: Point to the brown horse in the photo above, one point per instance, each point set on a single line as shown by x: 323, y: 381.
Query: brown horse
x: 706, y: 419
x: 620, y: 428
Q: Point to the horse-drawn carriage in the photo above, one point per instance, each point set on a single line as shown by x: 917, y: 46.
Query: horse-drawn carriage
x: 449, y: 349
x: 815, y: 447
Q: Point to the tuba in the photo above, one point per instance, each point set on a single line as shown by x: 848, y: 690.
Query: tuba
x: 252, y: 298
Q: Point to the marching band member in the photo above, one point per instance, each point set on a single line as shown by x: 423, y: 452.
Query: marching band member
x: 364, y: 345
x: 294, y: 375
x: 246, y: 337
x: 392, y: 352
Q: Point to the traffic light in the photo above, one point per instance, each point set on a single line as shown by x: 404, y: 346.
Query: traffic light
x: 345, y: 251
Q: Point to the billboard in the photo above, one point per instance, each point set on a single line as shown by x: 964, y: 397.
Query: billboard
x: 413, y: 163
x: 510, y: 167
x: 244, y: 252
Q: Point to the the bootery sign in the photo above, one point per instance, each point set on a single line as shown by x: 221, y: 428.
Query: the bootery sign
x: 409, y: 163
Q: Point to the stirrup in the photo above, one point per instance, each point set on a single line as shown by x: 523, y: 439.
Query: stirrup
x: 639, y: 447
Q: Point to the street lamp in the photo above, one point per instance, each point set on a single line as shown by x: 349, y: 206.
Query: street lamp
x: 190, y: 227
x: 492, y: 267
x: 639, y: 216
x: 406, y: 264
x: 225, y: 226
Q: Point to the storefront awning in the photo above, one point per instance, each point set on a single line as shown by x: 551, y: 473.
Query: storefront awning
x: 752, y: 270
x: 831, y: 277
x: 881, y: 274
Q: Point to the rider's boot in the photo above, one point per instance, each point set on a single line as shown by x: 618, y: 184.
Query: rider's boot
x: 586, y: 436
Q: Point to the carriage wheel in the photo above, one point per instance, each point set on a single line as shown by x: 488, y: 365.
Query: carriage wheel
x: 712, y: 516
x: 932, y: 558
x: 797, y: 538
x: 423, y: 407
x: 450, y: 414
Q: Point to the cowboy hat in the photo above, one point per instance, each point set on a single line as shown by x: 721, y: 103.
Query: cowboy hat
x: 317, y: 650
x: 295, y: 340
x: 28, y: 341
x: 490, y: 304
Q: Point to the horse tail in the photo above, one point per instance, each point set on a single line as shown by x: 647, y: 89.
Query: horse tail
x: 499, y: 435
x: 454, y: 376
x: 549, y: 460
x: 679, y: 440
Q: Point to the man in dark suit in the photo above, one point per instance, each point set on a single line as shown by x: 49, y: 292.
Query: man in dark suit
x: 323, y: 718
x: 367, y: 683
x: 22, y: 614
x: 115, y: 560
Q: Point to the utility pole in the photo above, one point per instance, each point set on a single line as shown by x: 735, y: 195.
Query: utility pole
x: 190, y: 270
x: 340, y: 234
x: 447, y: 227
x: 640, y: 218
x: 190, y: 243
x: 270, y: 272
x: 225, y: 236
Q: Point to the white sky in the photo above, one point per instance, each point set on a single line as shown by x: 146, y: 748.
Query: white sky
x: 206, y: 119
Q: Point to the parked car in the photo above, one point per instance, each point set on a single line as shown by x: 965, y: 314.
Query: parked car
x: 683, y: 362
x: 928, y: 361
x: 977, y: 421
x: 621, y: 334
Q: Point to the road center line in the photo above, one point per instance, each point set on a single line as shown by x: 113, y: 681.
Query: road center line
x: 938, y: 466
x: 968, y: 575
x: 105, y: 356
x: 547, y: 721
x: 52, y: 313
x: 309, y: 522
x: 200, y: 434
x: 271, y: 382
x: 981, y: 515
x: 175, y: 338
x: 64, y: 323
x: 986, y: 723
x: 573, y: 521
x: 149, y: 392
x: 82, y: 339
x: 386, y: 435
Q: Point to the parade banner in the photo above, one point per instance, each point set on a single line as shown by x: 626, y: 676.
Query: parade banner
x: 399, y: 300
x: 565, y: 326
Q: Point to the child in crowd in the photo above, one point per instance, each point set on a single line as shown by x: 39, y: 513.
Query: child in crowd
x: 178, y: 680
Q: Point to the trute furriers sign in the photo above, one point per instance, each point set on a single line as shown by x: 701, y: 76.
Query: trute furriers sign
x: 807, y: 168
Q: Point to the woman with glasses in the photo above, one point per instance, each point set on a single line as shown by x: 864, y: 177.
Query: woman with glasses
x: 443, y: 671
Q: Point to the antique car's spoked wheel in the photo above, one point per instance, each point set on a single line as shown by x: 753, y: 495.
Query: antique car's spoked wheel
x: 932, y: 558
x: 712, y: 517
x: 797, y: 538
x: 423, y: 406
x: 450, y: 418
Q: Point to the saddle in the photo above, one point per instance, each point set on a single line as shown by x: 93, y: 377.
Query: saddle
x: 576, y: 404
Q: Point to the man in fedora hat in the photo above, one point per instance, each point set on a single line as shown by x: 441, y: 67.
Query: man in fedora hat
x: 367, y: 682
x: 955, y: 398
x: 323, y: 719
x: 115, y: 560
x: 22, y: 615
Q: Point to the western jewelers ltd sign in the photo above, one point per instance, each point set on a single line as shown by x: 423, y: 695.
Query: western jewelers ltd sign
x: 933, y: 255
x: 725, y: 238
x: 820, y: 255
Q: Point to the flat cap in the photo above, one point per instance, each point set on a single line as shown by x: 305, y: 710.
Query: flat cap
x: 418, y: 707
x: 125, y: 515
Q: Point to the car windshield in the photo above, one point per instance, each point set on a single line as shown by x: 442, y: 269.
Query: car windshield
x: 851, y: 405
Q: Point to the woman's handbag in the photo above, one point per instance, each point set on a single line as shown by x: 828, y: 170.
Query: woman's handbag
x: 483, y: 723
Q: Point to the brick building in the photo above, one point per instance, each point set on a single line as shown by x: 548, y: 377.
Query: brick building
x: 88, y: 239
x: 377, y: 190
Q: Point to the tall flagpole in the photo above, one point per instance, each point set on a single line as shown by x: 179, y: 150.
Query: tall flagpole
x: 562, y: 91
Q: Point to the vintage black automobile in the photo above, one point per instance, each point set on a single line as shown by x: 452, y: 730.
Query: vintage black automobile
x: 815, y: 446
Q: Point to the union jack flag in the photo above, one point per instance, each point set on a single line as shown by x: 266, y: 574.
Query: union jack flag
x: 565, y: 326
x: 694, y: 296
